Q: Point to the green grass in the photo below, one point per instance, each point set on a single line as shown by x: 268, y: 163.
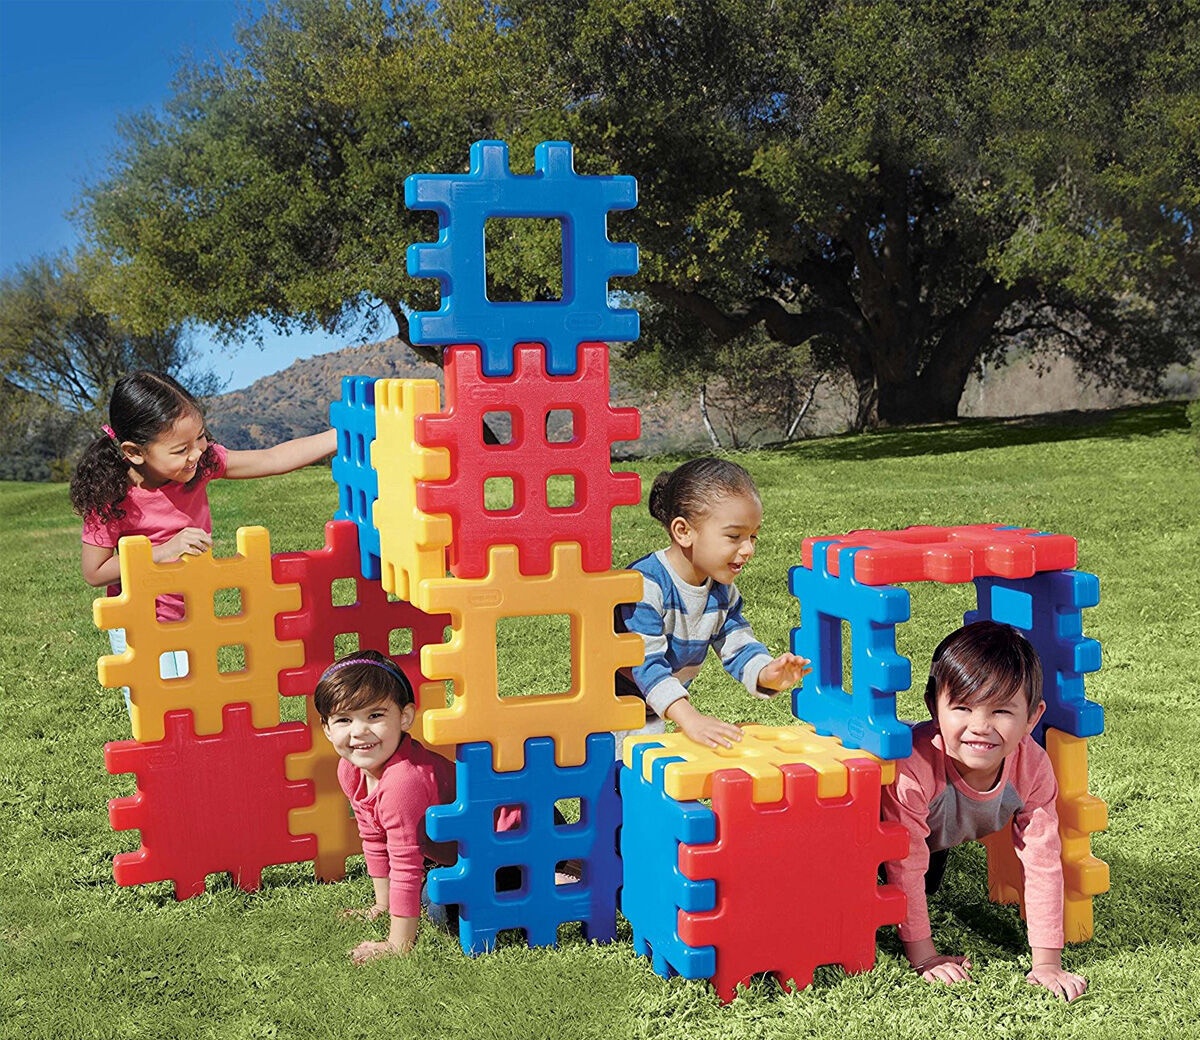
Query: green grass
x: 83, y: 958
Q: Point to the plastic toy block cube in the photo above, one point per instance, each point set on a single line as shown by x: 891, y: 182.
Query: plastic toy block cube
x: 209, y: 803
x: 945, y: 554
x: 1079, y: 816
x: 529, y: 461
x: 327, y: 818
x: 372, y: 617
x: 354, y: 419
x: 470, y: 658
x: 796, y: 880
x: 412, y: 543
x: 654, y: 827
x: 202, y: 632
x: 533, y: 849
x: 761, y: 754
x: 865, y: 716
x: 1048, y: 608
x: 465, y: 202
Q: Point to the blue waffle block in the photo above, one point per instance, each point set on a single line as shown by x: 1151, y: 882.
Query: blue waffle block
x: 505, y: 879
x: 655, y: 890
x: 864, y: 717
x: 1048, y: 609
x: 465, y: 202
x: 358, y: 484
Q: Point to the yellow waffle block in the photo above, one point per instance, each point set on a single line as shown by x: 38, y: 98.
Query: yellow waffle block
x: 759, y: 754
x: 1080, y: 815
x: 412, y: 544
x: 470, y: 658
x: 205, y: 690
x: 329, y: 817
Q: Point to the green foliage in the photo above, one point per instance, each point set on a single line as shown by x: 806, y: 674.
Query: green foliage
x: 60, y: 355
x: 916, y: 186
x: 1193, y: 417
x: 272, y: 187
x: 911, y: 189
x: 82, y: 958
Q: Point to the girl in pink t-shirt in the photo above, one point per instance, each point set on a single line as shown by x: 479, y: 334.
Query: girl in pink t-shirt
x: 148, y: 473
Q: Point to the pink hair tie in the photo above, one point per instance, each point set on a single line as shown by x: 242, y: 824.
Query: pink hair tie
x: 109, y: 432
x: 391, y: 667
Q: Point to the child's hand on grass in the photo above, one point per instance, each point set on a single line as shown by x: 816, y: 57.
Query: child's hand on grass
x: 945, y: 969
x: 1050, y: 973
x: 785, y: 672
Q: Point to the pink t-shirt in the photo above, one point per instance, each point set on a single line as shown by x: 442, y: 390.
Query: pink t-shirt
x: 940, y: 810
x: 159, y: 514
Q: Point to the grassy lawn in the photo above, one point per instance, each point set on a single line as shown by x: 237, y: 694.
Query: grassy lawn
x: 83, y: 958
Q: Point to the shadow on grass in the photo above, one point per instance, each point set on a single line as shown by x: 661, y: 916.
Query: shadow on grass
x: 1150, y: 901
x: 970, y: 434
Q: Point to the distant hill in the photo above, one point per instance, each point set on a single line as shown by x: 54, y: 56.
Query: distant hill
x: 295, y: 402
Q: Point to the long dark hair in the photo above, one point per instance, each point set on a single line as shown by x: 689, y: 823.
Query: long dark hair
x: 142, y: 406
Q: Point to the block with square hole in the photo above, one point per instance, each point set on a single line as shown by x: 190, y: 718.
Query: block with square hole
x: 233, y: 658
x: 465, y: 203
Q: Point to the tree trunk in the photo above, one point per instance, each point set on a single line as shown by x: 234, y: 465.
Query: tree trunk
x: 713, y: 437
x: 799, y: 417
x: 929, y: 397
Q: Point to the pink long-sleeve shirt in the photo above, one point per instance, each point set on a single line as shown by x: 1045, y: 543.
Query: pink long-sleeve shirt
x: 391, y: 819
x: 940, y: 811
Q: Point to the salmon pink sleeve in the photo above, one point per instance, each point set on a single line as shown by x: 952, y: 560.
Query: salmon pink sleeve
x: 1038, y: 846
x: 907, y: 802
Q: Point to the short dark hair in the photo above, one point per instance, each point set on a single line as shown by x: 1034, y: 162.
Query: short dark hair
x: 358, y: 679
x: 690, y: 490
x: 984, y: 663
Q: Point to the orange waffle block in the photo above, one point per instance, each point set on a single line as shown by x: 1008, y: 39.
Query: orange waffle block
x: 206, y: 689
x: 327, y: 818
x: 412, y: 544
x: 470, y: 658
x: 1079, y: 816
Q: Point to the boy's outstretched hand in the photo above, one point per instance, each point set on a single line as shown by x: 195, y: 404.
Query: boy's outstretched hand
x: 785, y: 672
x: 707, y: 730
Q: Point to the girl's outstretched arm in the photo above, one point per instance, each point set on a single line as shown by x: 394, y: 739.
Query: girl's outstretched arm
x: 282, y: 458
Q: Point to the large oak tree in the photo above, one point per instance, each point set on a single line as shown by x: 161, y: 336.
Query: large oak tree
x: 909, y: 189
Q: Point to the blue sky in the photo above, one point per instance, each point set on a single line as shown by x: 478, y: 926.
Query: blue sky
x: 68, y: 70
